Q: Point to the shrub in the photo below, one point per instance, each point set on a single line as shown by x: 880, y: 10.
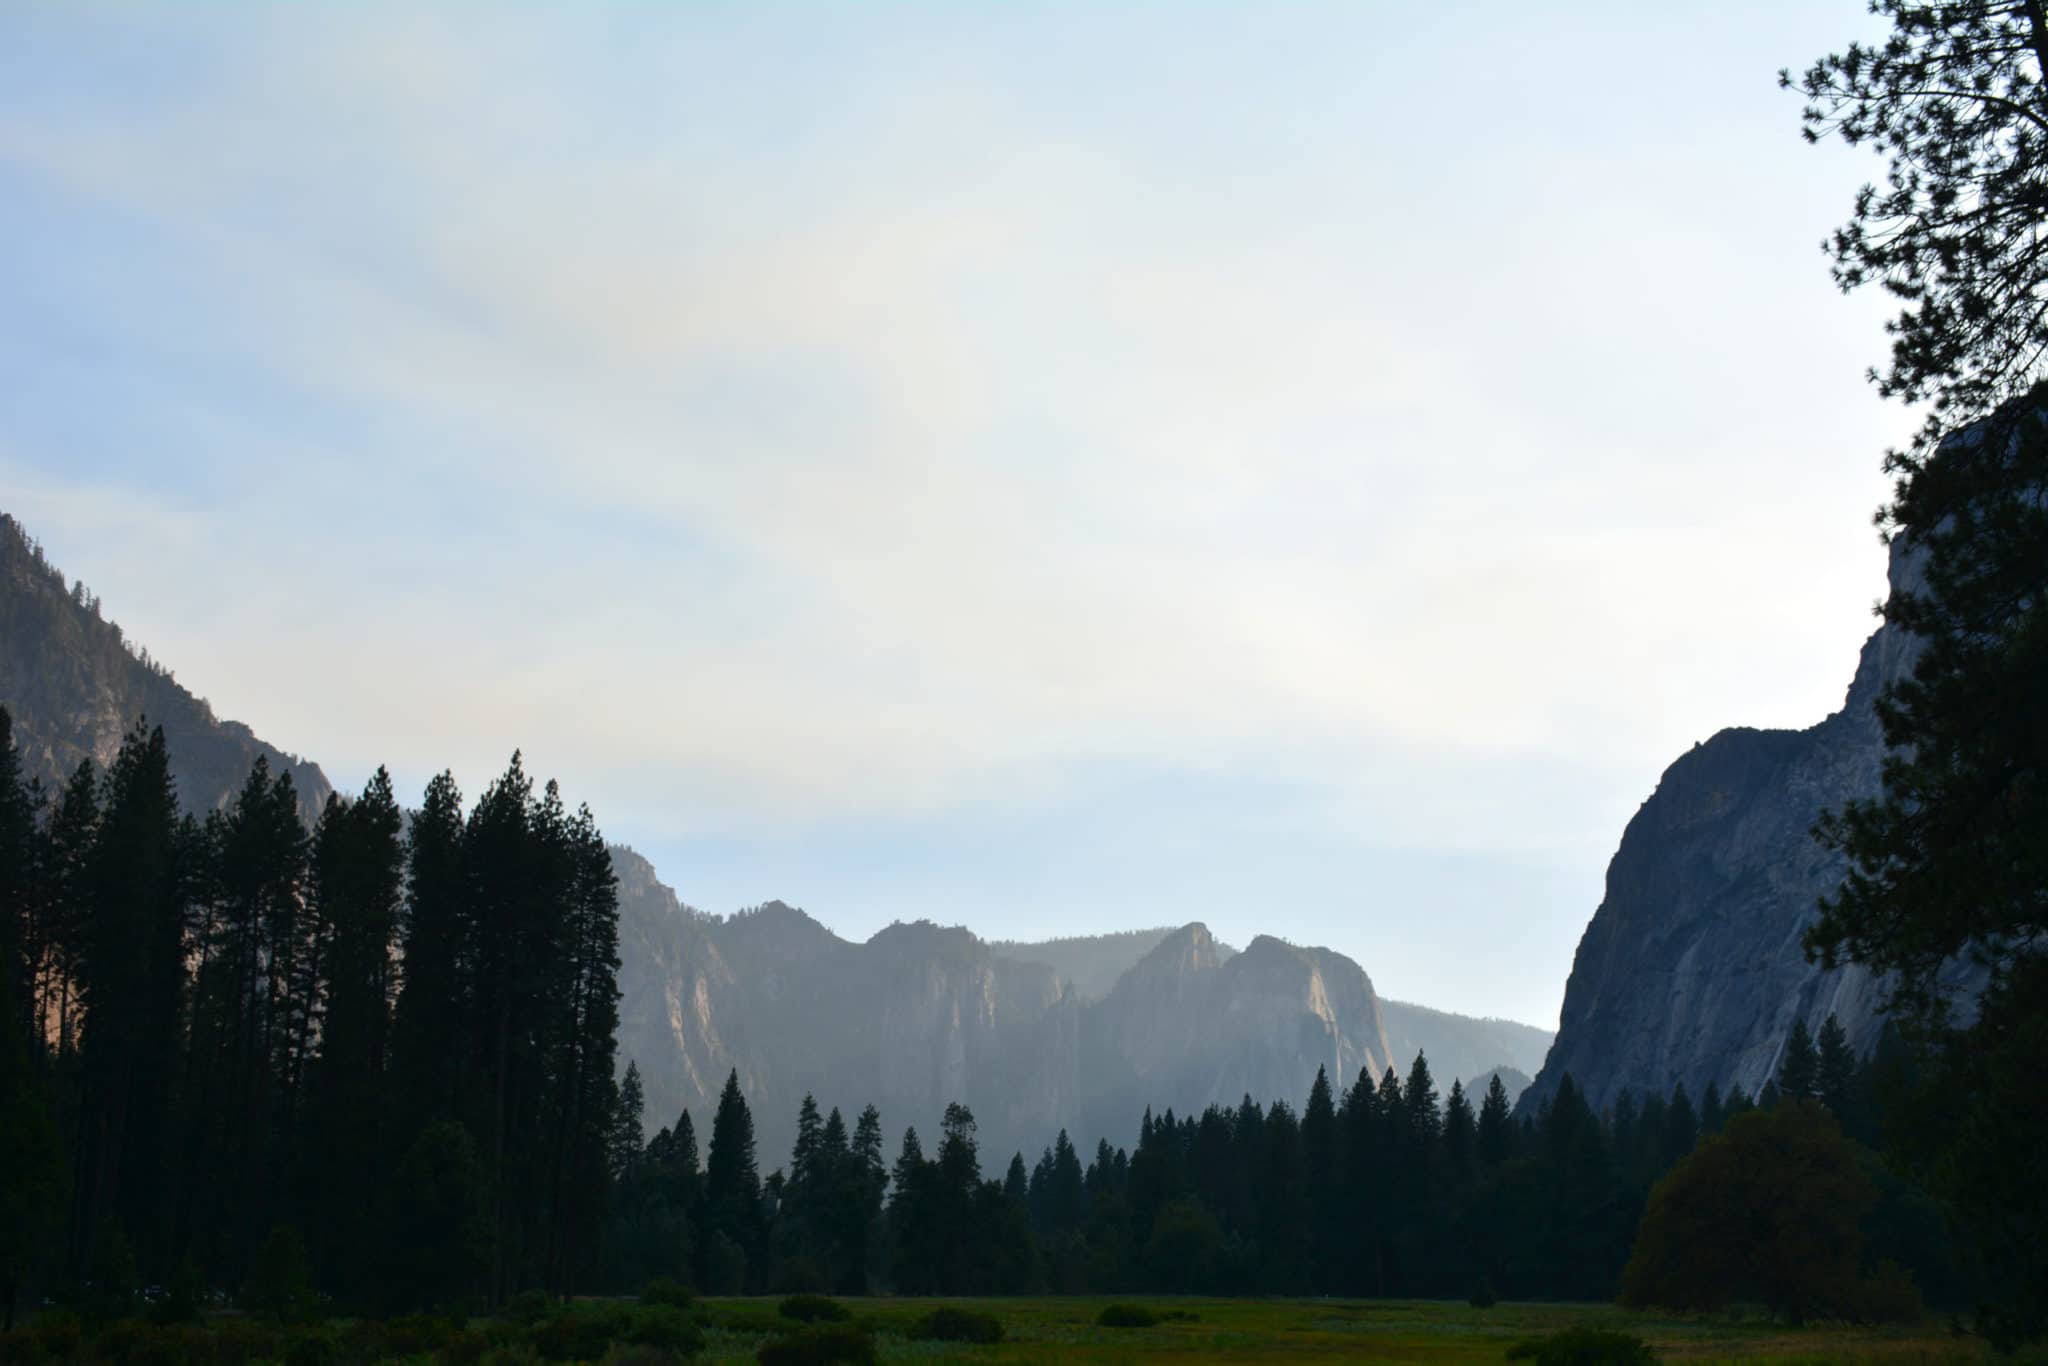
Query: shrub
x: 239, y: 1341
x: 183, y: 1298
x: 1584, y: 1347
x: 1126, y: 1316
x: 281, y: 1282
x: 819, y: 1344
x: 127, y: 1340
x: 511, y: 1354
x: 957, y: 1325
x: 813, y: 1309
x: 133, y: 1342
x: 464, y: 1348
x: 57, y: 1334
x: 1888, y: 1295
x: 416, y: 1335
x: 578, y: 1334
x: 311, y: 1348
x: 1482, y: 1296
x: 634, y: 1354
x: 528, y: 1307
x: 662, y: 1290
x: 667, y: 1329
x: 748, y: 1318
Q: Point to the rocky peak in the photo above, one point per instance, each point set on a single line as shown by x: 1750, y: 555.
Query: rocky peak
x: 1692, y: 969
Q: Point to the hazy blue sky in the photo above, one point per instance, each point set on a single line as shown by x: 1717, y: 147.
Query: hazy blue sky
x: 1051, y: 468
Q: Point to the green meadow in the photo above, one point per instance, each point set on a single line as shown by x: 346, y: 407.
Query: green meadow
x: 1064, y: 1329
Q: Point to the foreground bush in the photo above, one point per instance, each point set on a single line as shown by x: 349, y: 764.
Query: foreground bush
x: 957, y: 1325
x: 1126, y: 1316
x: 823, y: 1343
x: 662, y: 1290
x: 665, y: 1328
x: 813, y: 1309
x: 1584, y: 1347
x: 580, y: 1334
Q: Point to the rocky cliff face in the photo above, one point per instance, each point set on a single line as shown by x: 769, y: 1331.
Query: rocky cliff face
x: 921, y: 1015
x: 913, y: 1019
x: 75, y: 685
x: 1457, y: 1045
x: 1691, y: 969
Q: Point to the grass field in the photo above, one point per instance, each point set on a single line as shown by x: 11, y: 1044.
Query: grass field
x: 1306, y: 1331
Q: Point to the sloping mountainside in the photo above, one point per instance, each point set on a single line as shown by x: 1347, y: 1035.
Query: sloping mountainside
x: 1457, y: 1045
x: 74, y: 686
x: 1081, y: 1034
x: 1460, y: 1046
x: 921, y: 1015
x: 1691, y: 969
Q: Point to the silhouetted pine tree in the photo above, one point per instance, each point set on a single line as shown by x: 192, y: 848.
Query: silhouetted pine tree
x: 18, y: 803
x: 1496, y: 1132
x: 1459, y: 1133
x: 1799, y: 1069
x: 62, y: 901
x: 1834, y: 1069
x: 431, y: 1031
x: 358, y: 876
x: 730, y: 1224
x: 131, y: 986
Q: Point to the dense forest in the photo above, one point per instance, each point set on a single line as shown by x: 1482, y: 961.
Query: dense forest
x: 211, y: 1049
x: 384, y: 1047
x: 1391, y: 1189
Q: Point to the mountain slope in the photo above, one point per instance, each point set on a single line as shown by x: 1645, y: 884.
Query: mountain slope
x: 1691, y: 970
x: 921, y: 1015
x: 1461, y: 1046
x: 75, y: 685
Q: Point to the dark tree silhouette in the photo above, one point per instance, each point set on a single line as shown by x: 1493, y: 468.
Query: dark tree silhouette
x: 1953, y: 99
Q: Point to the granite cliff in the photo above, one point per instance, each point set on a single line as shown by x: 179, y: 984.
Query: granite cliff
x: 1457, y: 1045
x: 920, y: 1015
x: 1691, y: 970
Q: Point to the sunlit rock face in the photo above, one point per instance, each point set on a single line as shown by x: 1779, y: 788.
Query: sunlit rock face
x: 1691, y: 969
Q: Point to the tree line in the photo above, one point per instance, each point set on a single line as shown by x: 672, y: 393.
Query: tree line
x: 385, y: 1044
x: 384, y: 1048
x: 1389, y: 1189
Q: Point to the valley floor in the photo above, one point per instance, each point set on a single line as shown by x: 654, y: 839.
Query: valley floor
x: 1064, y: 1329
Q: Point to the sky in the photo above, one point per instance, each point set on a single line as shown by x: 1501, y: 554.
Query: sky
x: 1307, y: 468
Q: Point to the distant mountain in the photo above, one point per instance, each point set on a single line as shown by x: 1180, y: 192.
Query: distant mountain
x: 1691, y: 969
x: 1456, y: 1045
x: 75, y: 684
x: 1460, y: 1046
x: 1092, y: 963
x: 921, y: 1015
x: 1513, y: 1081
x: 1078, y: 1033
